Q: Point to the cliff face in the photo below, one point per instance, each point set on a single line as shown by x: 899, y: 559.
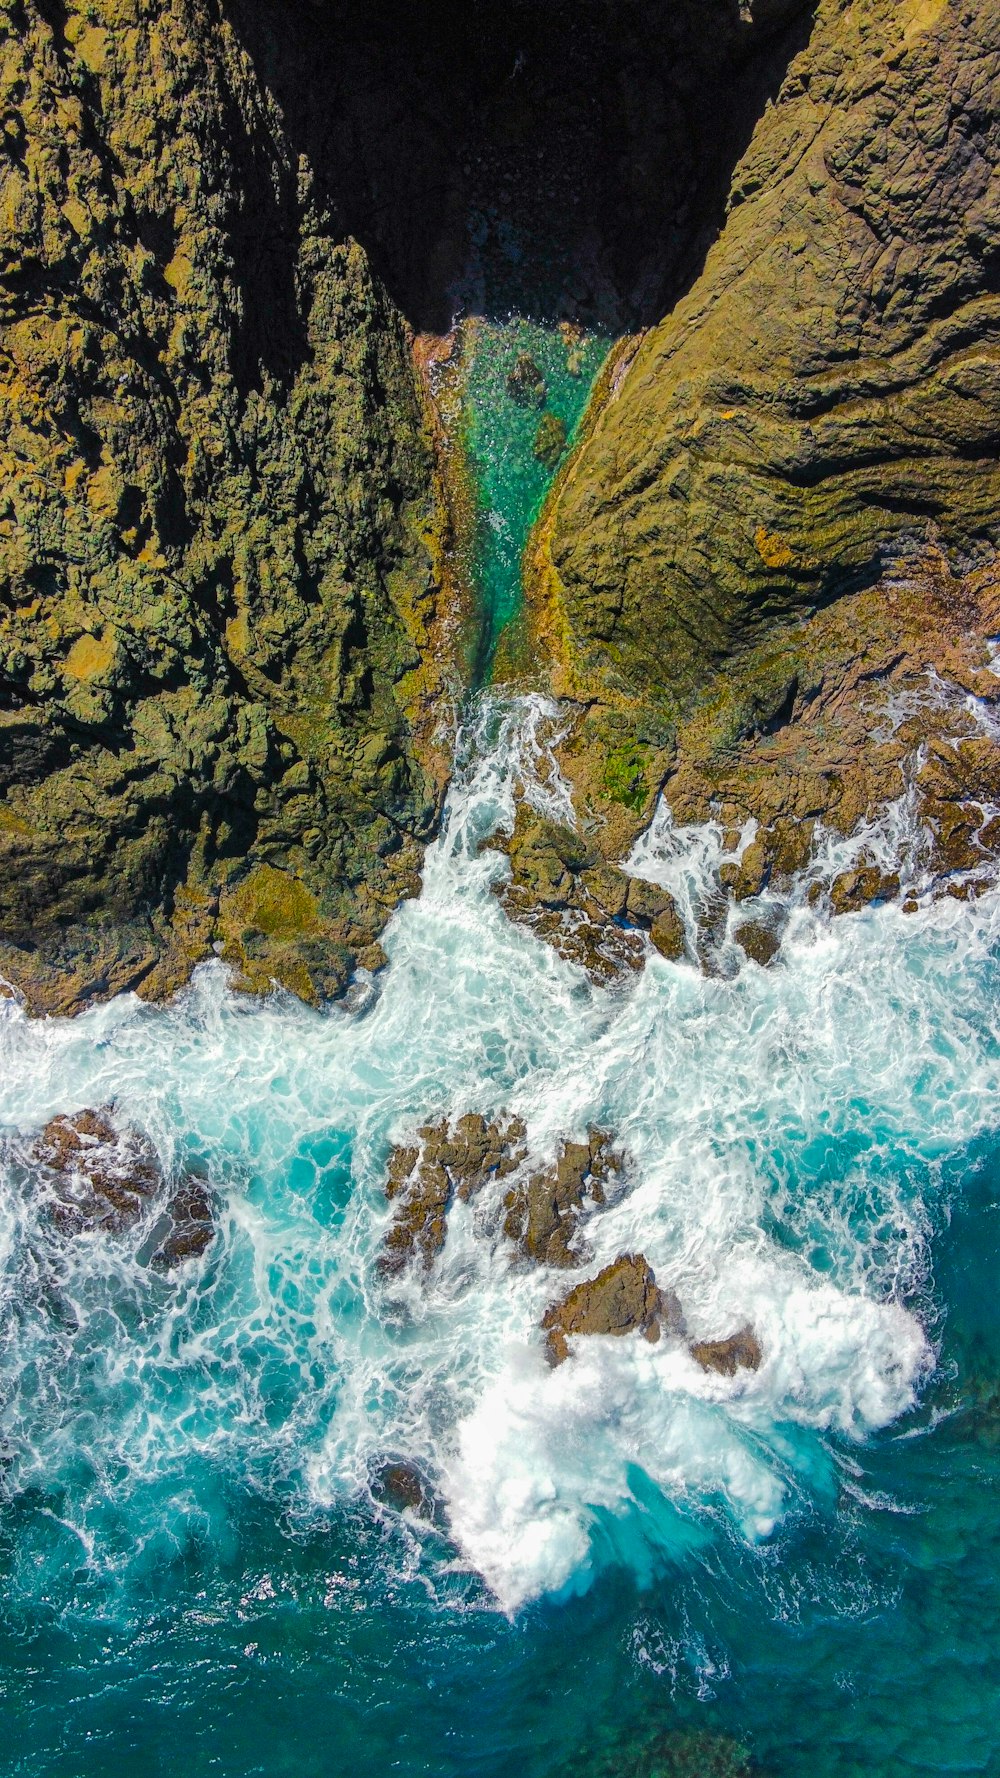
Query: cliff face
x: 216, y: 537
x: 786, y: 510
x: 828, y: 392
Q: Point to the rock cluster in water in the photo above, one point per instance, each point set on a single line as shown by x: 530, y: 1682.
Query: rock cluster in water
x: 448, y: 1162
x: 543, y: 1214
x: 623, y: 1298
x: 100, y: 1175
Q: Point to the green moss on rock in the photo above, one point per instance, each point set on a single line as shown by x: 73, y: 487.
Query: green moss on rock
x: 217, y: 554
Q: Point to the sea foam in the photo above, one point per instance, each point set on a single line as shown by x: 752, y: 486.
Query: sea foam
x: 788, y: 1134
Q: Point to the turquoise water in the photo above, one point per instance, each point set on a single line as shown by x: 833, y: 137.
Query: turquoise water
x: 802, y: 1562
x: 509, y: 480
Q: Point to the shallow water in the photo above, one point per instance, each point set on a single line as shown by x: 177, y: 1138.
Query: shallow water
x: 803, y: 1560
x: 509, y: 480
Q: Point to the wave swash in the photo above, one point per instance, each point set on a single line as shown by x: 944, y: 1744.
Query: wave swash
x: 788, y: 1133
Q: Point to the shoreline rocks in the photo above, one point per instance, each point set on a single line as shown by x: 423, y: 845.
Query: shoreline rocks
x: 591, y: 911
x: 107, y: 1177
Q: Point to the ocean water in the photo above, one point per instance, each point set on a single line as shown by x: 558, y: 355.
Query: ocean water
x: 509, y: 480
x: 635, y: 1568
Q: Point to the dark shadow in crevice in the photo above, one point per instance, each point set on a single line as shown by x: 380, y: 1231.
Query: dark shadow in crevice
x: 559, y: 159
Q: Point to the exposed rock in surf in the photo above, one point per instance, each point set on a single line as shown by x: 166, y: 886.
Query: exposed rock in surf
x: 858, y: 888
x: 450, y: 1161
x: 585, y: 906
x: 192, y: 1225
x: 101, y: 1177
x: 741, y: 1351
x: 623, y: 1298
x: 398, y: 1484
x: 759, y: 941
x: 543, y: 1214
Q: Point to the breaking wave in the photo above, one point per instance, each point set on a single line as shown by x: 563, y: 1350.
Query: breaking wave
x: 788, y: 1132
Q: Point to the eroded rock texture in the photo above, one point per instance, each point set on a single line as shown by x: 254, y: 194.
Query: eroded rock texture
x: 623, y: 1298
x: 449, y: 1161
x: 216, y: 536
x: 829, y: 387
x: 768, y: 573
x: 100, y: 1174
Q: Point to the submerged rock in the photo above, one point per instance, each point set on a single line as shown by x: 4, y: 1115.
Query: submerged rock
x: 525, y: 382
x: 543, y: 1214
x: 399, y: 1484
x: 741, y: 1351
x: 450, y: 1161
x: 108, y: 1177
x: 550, y: 440
x: 623, y: 1298
x: 192, y: 1226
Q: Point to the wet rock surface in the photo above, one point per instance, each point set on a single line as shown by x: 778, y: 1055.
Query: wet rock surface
x: 740, y: 1351
x: 102, y: 1175
x: 399, y: 1484
x: 544, y: 1213
x: 760, y: 942
x: 192, y: 1225
x: 583, y: 904
x: 450, y: 1161
x: 623, y: 1298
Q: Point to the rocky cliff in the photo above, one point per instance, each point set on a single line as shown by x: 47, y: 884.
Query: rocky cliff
x: 788, y: 505
x: 217, y: 546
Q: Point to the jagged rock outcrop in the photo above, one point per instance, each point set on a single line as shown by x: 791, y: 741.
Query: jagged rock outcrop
x: 623, y: 1298
x: 217, y: 537
x: 99, y: 1174
x: 563, y: 887
x: 450, y: 1161
x: 740, y: 1351
x: 543, y: 1214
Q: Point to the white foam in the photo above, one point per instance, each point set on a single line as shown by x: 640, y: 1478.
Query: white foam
x: 786, y: 1131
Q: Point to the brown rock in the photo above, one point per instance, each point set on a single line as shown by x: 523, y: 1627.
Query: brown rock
x: 741, y: 1351
x: 668, y: 935
x: 623, y: 1298
x: 400, y: 1485
x: 101, y: 1176
x: 647, y: 901
x: 192, y: 1226
x: 856, y: 888
x: 452, y: 1161
x: 543, y: 1214
x: 760, y: 941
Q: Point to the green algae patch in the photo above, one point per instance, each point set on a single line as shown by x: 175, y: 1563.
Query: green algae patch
x: 276, y: 904
x: 624, y: 775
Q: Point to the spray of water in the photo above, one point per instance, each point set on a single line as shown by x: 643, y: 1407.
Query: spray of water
x: 787, y: 1133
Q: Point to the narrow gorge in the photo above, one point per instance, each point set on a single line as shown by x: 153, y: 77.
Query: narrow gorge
x: 499, y: 893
